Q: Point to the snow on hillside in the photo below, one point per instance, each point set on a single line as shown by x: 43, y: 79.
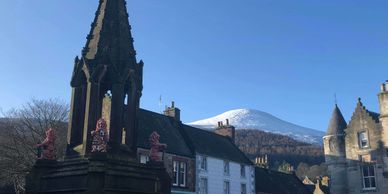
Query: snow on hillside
x: 254, y: 119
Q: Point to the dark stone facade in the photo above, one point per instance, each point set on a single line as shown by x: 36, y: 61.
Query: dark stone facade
x: 108, y: 66
x: 97, y: 175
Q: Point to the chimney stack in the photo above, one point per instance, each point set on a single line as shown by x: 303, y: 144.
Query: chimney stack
x: 173, y: 112
x: 262, y: 161
x: 226, y: 130
x: 384, y: 86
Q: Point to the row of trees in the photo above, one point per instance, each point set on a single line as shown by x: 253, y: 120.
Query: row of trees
x: 278, y: 147
x: 21, y: 129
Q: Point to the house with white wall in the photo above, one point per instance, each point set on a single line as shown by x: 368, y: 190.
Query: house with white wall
x: 198, y: 161
x: 221, y: 168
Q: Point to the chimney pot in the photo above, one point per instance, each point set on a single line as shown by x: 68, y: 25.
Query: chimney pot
x: 173, y: 112
x: 227, y: 122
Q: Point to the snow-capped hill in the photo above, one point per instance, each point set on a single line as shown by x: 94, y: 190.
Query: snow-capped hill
x: 254, y: 119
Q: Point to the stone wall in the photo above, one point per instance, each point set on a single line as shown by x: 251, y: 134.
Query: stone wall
x: 362, y: 121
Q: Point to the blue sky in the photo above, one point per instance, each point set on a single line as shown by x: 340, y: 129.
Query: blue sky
x: 287, y: 57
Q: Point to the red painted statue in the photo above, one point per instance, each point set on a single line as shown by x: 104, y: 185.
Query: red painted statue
x: 47, y: 146
x: 156, y: 147
x: 100, y: 137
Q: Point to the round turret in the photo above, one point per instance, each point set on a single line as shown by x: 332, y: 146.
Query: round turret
x: 335, y: 154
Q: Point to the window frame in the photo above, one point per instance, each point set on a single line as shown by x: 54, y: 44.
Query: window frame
x: 175, y: 171
x: 243, y: 188
x: 179, y: 178
x: 226, y: 187
x: 203, y: 188
x: 147, y: 158
x: 226, y: 168
x: 243, y: 172
x: 182, y: 182
x: 203, y: 163
x: 360, y: 141
x: 368, y: 177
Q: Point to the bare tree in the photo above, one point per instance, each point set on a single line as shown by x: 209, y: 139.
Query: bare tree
x: 21, y: 129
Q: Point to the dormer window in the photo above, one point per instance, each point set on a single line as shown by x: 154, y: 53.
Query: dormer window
x: 363, y: 139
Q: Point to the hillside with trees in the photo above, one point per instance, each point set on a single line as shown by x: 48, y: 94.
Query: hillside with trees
x: 279, y: 148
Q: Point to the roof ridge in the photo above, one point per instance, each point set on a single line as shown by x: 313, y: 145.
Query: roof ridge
x: 208, y: 131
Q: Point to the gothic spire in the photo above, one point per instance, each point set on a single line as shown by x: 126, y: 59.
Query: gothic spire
x: 110, y: 40
x: 337, y: 123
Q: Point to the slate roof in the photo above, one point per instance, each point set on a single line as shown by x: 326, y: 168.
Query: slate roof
x: 375, y: 116
x: 214, y: 145
x: 185, y: 140
x: 274, y: 182
x: 168, y: 129
x: 337, y: 123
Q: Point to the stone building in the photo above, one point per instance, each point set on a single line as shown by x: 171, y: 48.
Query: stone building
x: 355, y: 152
x: 178, y: 158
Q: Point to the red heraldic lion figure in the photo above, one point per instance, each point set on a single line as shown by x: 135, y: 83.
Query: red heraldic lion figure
x: 156, y: 147
x: 100, y: 137
x: 48, y: 146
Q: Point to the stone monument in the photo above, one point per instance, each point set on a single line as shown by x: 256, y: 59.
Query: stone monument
x: 103, y: 159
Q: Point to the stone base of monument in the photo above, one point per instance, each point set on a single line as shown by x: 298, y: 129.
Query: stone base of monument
x: 97, y: 174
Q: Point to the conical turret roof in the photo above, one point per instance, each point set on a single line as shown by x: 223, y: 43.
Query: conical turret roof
x: 337, y: 123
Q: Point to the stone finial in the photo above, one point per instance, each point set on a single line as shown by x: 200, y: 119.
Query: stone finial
x: 100, y: 137
x: 46, y: 149
x: 156, y: 147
